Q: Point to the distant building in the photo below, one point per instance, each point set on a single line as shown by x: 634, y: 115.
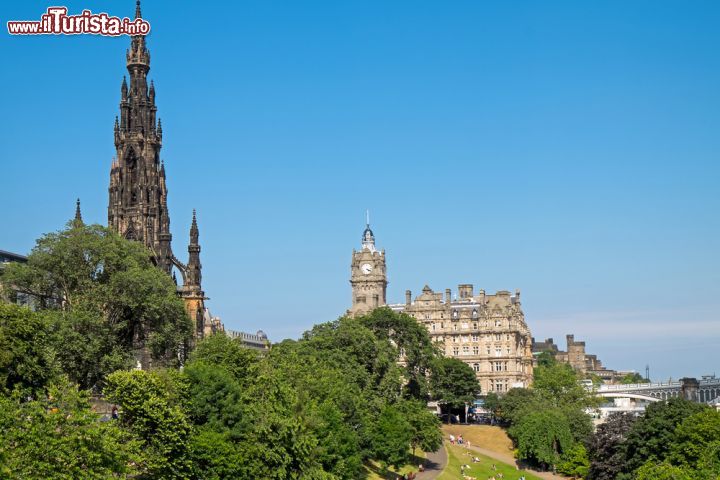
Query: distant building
x: 258, y: 341
x: 486, y: 331
x: 577, y: 358
x: 16, y: 297
x: 8, y: 257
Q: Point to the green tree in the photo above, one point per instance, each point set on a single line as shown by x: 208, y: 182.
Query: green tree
x: 633, y: 377
x: 663, y: 471
x: 391, y: 437
x: 453, y: 382
x: 580, y: 423
x: 104, y: 299
x: 574, y: 462
x: 560, y: 385
x: 27, y: 359
x: 653, y: 435
x: 59, y: 437
x: 516, y: 403
x: 413, y: 345
x: 424, y: 426
x: 545, y: 359
x: 86, y: 345
x: 542, y: 436
x: 241, y: 362
x: 247, y: 405
x: 148, y: 412
x: 695, y: 438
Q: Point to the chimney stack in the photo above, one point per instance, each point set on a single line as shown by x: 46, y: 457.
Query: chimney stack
x: 466, y: 290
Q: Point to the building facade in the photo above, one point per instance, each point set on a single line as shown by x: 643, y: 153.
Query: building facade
x: 258, y: 341
x: 576, y: 356
x: 137, y: 206
x: 486, y: 331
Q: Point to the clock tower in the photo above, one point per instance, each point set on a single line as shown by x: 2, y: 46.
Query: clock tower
x: 368, y: 276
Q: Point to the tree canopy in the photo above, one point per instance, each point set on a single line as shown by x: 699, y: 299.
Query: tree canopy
x: 103, y: 299
x: 453, y: 382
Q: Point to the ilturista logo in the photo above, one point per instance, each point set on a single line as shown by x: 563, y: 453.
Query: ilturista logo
x: 56, y: 21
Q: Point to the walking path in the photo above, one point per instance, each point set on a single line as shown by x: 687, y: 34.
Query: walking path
x: 510, y: 460
x: 435, y: 463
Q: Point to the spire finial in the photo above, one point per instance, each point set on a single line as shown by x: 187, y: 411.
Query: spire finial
x: 368, y: 239
x: 194, y: 234
x: 138, y: 14
x: 78, y: 215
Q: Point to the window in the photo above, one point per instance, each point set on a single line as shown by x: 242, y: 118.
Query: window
x: 476, y: 367
x: 456, y: 351
x: 455, y: 327
x: 476, y: 350
x: 475, y: 338
x: 455, y: 338
x: 505, y: 365
x: 497, y: 337
x: 466, y: 350
x: 475, y: 325
x: 427, y: 316
x: 498, y: 323
x: 474, y: 314
x: 488, y: 350
x: 432, y: 327
x: 498, y: 351
x: 454, y: 314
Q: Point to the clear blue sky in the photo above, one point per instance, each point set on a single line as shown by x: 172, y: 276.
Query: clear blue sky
x: 568, y: 149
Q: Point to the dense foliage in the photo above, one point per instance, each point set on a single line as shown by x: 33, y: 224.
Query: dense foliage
x: 103, y: 300
x: 317, y: 408
x: 454, y: 383
x: 348, y: 392
x: 673, y: 439
x: 548, y: 423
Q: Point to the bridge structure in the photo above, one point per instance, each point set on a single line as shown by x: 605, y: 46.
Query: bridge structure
x: 636, y: 397
x: 705, y: 390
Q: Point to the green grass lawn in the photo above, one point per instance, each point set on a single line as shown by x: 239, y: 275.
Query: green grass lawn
x: 458, y: 455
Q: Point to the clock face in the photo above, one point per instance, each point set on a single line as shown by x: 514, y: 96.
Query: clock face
x: 366, y: 268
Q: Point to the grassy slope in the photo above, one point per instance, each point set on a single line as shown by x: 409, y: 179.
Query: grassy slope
x: 484, y: 436
x: 458, y: 455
